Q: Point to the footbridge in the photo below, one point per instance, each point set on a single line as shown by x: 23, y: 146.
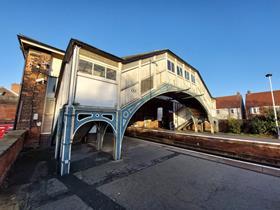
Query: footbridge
x: 96, y: 88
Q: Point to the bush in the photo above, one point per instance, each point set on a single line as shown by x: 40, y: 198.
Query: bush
x: 263, y: 124
x: 234, y: 126
x: 258, y: 126
x: 270, y: 122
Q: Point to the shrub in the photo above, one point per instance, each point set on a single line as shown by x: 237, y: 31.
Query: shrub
x: 258, y: 125
x: 234, y: 126
x: 270, y: 122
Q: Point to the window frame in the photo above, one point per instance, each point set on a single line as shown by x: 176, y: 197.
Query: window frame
x: 187, y: 73
x: 172, y: 65
x: 84, y: 72
x: 110, y: 69
x: 104, y: 65
x: 180, y: 71
x: 99, y: 66
x: 193, y: 79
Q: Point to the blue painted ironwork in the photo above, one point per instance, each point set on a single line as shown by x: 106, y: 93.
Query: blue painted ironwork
x: 66, y: 140
x: 94, y: 116
x: 119, y: 121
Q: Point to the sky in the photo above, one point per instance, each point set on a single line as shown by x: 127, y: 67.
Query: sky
x: 232, y: 43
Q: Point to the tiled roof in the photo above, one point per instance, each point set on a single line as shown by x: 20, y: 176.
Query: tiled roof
x: 234, y: 101
x: 6, y: 92
x: 262, y: 99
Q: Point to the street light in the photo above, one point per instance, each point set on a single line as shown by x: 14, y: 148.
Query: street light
x: 273, y: 103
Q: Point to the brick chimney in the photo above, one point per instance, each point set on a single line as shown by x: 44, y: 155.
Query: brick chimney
x: 15, y: 87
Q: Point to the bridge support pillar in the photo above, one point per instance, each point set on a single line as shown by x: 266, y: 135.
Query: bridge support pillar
x: 118, y: 136
x: 212, y: 128
x: 100, y: 131
x: 212, y: 124
x: 58, y: 135
x: 195, y: 124
x: 66, y: 142
x: 117, y: 148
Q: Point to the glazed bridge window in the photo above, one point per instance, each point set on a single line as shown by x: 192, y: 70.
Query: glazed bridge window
x: 99, y: 70
x: 88, y: 67
x: 85, y: 66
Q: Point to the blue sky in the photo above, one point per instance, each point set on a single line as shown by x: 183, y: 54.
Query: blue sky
x: 232, y: 43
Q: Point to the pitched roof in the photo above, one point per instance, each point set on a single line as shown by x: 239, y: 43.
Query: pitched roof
x: 27, y: 42
x: 7, y: 92
x: 131, y: 58
x: 234, y: 101
x: 262, y: 99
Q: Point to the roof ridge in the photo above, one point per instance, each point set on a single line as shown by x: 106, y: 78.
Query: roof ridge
x: 261, y: 92
x: 144, y: 53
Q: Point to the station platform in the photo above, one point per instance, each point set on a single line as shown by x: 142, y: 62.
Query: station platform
x: 258, y: 150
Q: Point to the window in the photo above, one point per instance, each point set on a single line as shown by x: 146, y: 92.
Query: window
x: 187, y: 75
x: 111, y: 74
x: 193, y: 78
x: 170, y: 66
x: 99, y: 70
x: 218, y: 111
x: 49, y: 105
x: 96, y: 70
x: 179, y: 71
x: 255, y: 110
x: 51, y: 86
x: 85, y: 66
x: 232, y: 111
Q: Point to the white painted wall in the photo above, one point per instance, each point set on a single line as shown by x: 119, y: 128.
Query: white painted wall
x: 95, y: 93
x: 55, y: 67
x: 99, y: 92
x: 63, y: 91
x: 224, y: 114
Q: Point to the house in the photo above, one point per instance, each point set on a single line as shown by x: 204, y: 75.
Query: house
x: 230, y: 107
x: 260, y: 102
x: 8, y: 104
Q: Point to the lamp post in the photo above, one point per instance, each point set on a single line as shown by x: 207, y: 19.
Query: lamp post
x: 273, y: 103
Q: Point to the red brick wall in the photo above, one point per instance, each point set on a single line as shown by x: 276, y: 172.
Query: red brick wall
x: 7, y: 112
x: 9, y: 155
x: 32, y: 96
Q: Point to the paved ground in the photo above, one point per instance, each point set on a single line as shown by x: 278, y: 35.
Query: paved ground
x: 150, y: 176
